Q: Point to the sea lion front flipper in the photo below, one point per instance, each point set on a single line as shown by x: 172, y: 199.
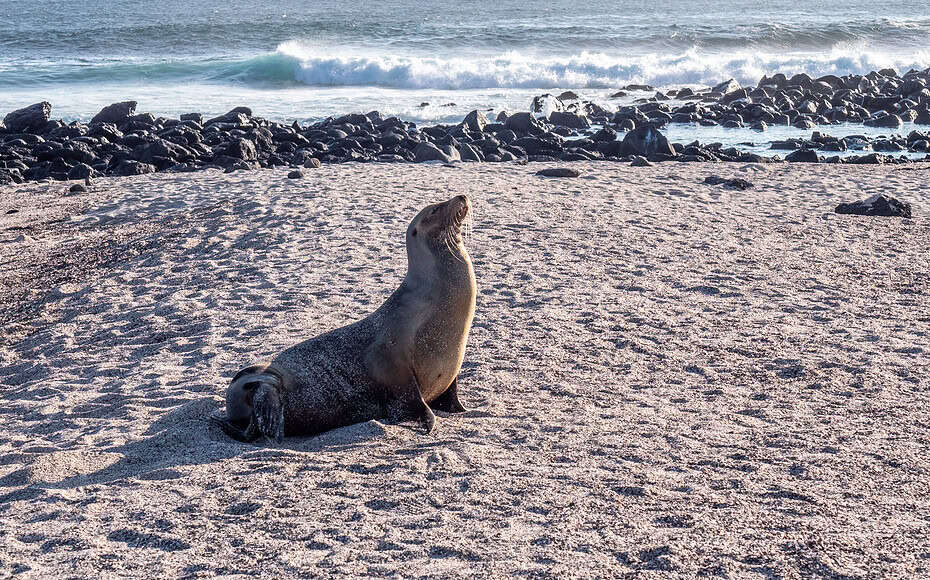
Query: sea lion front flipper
x: 412, y: 406
x: 449, y: 401
x: 428, y: 418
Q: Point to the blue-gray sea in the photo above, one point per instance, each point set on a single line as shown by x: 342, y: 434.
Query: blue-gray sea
x: 292, y: 60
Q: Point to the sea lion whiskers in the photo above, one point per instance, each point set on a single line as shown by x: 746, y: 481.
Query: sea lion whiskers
x: 469, y: 221
x: 452, y: 225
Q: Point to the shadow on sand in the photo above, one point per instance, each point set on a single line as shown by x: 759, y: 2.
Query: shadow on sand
x: 186, y: 436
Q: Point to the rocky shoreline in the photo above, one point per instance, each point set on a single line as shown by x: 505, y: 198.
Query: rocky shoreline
x: 118, y: 141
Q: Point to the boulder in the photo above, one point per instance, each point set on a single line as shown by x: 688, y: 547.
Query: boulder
x: 733, y: 96
x: 115, y: 113
x: 803, y: 156
x: 476, y: 121
x: 646, y: 141
x: 31, y: 118
x: 877, y: 205
x: 558, y: 172
x: 735, y: 183
x: 801, y: 80
x: 107, y: 130
x: 571, y: 120
x: 195, y: 117
x: 523, y: 123
x: 884, y: 121
x: 469, y: 152
x: 296, y: 174
x: 605, y: 135
x: 81, y: 171
x: 130, y: 167
x: 239, y: 115
x: 727, y: 87
x: 545, y: 104
x: 241, y: 149
x: 428, y: 152
x: 147, y: 152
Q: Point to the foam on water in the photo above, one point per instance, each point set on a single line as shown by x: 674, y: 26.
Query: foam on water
x: 296, y: 63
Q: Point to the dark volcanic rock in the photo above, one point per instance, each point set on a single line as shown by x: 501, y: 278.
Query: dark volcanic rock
x: 571, y: 120
x: 877, y: 205
x: 31, y: 118
x: 118, y: 142
x: 130, y: 167
x: 241, y: 149
x: 476, y: 121
x: 803, y: 156
x: 150, y: 152
x: 81, y: 171
x: 195, y: 117
x: 727, y: 87
x: 558, y: 172
x: 646, y: 141
x: 522, y: 123
x: 430, y: 152
x: 885, y: 121
x: 239, y: 115
x: 296, y: 174
x: 735, y: 183
x: 605, y: 135
x: 115, y: 113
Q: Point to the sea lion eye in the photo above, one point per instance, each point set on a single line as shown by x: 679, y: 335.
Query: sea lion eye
x: 435, y: 209
x: 414, y: 232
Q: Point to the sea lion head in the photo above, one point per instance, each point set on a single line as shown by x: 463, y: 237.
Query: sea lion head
x: 437, y: 229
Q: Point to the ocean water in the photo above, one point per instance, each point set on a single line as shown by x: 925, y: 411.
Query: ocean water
x: 292, y: 60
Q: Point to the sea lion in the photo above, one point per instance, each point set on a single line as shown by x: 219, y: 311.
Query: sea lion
x: 395, y: 364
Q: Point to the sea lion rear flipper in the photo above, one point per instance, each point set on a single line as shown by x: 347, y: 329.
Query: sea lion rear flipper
x: 449, y: 401
x: 267, y: 413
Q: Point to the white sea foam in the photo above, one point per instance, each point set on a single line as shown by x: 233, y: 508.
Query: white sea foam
x: 514, y: 69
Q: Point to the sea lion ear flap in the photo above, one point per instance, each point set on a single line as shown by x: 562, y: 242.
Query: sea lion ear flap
x: 267, y: 412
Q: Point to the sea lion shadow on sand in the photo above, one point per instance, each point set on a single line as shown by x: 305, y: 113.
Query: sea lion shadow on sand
x: 185, y: 436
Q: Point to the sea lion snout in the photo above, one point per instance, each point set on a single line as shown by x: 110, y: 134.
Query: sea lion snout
x: 465, y: 205
x: 459, y: 207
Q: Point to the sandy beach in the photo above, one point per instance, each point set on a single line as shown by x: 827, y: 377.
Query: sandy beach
x: 666, y: 378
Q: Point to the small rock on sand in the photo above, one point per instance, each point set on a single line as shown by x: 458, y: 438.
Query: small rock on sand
x: 296, y: 174
x: 558, y: 172
x: 877, y: 205
x: 312, y: 163
x: 78, y: 188
x: 735, y: 183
